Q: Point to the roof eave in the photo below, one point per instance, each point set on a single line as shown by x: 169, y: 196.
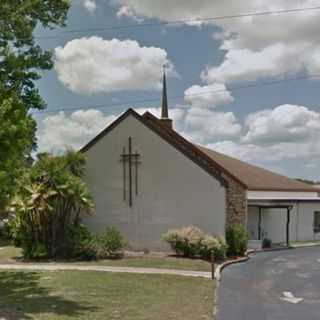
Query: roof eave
x: 270, y: 189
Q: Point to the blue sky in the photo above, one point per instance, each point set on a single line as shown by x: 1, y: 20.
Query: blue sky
x: 275, y: 126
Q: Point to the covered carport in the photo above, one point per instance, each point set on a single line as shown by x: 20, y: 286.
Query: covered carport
x: 286, y: 209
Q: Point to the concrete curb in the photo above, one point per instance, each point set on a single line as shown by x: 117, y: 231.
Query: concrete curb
x: 253, y: 251
x: 220, y: 267
x: 306, y: 245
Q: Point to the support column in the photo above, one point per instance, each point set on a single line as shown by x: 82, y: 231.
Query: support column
x: 288, y: 227
x: 259, y: 223
x: 130, y: 171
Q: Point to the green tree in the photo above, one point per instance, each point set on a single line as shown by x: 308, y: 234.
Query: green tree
x: 16, y: 139
x: 48, y: 203
x: 21, y: 61
x: 21, y: 58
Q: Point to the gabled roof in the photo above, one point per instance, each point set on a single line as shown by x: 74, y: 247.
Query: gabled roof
x: 172, y: 137
x: 215, y: 163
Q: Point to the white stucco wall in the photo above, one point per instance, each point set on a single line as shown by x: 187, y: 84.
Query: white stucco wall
x: 274, y: 222
x: 305, y: 216
x: 173, y: 190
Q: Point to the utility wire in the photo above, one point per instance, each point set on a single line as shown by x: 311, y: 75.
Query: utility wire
x: 177, y: 22
x: 135, y: 102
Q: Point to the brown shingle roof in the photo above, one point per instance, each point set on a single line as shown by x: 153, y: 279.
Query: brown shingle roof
x: 256, y: 178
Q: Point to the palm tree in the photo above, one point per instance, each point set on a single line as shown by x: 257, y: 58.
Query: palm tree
x: 49, y: 201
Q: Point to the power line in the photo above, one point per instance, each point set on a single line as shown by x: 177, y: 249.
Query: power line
x: 177, y: 22
x: 135, y: 102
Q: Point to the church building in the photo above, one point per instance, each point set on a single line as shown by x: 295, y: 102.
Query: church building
x: 146, y: 179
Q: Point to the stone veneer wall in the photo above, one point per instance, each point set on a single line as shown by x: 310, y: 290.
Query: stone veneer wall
x: 236, y: 203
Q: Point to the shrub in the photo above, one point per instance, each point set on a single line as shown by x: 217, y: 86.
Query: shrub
x: 266, y: 243
x: 81, y: 243
x: 185, y: 241
x: 192, y: 242
x: 237, y: 240
x: 109, y: 244
x: 215, y: 244
x: 86, y: 246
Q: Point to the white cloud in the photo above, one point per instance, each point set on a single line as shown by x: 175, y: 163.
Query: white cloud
x: 178, y: 9
x: 59, y: 132
x: 278, y: 60
x: 286, y: 138
x: 285, y: 123
x: 302, y: 152
x: 256, y: 46
x: 93, y: 65
x: 203, y: 125
x: 211, y: 96
x: 126, y: 11
x: 90, y: 5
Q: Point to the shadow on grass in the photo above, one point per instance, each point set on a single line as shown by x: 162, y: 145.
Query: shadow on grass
x: 22, y: 297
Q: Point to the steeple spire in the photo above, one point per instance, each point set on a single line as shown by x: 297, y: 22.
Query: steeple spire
x: 164, y: 102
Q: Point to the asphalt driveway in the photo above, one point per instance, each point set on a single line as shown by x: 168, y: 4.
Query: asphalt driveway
x: 277, y: 285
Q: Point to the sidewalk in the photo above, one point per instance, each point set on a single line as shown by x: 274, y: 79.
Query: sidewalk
x: 66, y: 267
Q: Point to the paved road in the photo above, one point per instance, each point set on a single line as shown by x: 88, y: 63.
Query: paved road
x: 271, y: 286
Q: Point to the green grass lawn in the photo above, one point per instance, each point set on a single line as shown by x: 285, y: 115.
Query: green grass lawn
x: 8, y: 254
x: 96, y: 295
x: 155, y: 262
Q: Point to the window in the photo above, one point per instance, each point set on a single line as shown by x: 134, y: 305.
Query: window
x: 316, y: 222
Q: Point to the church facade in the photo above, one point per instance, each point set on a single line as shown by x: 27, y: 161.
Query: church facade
x: 146, y: 178
x: 144, y: 185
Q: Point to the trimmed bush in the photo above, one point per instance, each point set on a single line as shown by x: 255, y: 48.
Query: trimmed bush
x: 185, y: 241
x: 109, y: 244
x: 192, y: 242
x: 216, y: 244
x: 237, y: 240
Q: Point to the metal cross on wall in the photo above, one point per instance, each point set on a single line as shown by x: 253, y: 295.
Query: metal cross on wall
x: 130, y: 162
